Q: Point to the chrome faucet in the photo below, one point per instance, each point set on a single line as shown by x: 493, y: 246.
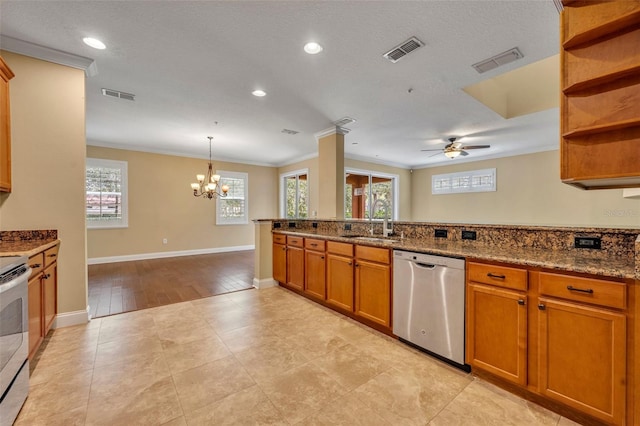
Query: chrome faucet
x: 387, y: 226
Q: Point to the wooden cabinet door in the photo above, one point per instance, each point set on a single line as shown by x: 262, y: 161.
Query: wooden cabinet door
x: 497, y: 332
x: 340, y: 281
x: 280, y: 263
x: 295, y: 267
x: 315, y: 280
x: 35, y: 314
x: 373, y: 292
x: 50, y: 296
x: 5, y: 128
x: 582, y: 358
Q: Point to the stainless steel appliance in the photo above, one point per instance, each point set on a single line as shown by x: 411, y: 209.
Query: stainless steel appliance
x: 428, y: 303
x: 14, y: 337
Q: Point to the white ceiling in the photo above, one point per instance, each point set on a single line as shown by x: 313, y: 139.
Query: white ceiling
x: 191, y: 64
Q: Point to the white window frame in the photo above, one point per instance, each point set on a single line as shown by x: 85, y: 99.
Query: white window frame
x: 283, y: 192
x: 396, y: 185
x: 236, y: 221
x: 124, y: 185
x: 449, y: 183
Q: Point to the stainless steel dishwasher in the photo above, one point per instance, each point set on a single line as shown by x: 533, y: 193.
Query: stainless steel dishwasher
x: 428, y: 303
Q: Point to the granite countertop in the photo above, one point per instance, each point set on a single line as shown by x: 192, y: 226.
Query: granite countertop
x: 26, y: 247
x: 561, y: 260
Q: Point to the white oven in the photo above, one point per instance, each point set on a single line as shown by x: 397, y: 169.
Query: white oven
x: 14, y: 337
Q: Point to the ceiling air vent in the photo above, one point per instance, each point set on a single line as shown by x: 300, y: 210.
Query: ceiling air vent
x: 118, y: 94
x: 289, y: 132
x: 344, y: 121
x: 402, y: 50
x: 498, y: 60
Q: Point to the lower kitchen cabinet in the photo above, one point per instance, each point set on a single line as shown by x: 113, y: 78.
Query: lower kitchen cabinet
x: 295, y: 268
x: 36, y: 323
x: 43, y: 296
x: 315, y: 268
x: 340, y: 275
x: 497, y: 331
x: 280, y: 258
x: 582, y: 357
x: 373, y: 285
x: 49, y: 296
x: 559, y: 336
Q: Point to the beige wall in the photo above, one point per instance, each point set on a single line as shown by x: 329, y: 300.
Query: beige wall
x: 162, y: 205
x: 48, y: 154
x: 529, y: 191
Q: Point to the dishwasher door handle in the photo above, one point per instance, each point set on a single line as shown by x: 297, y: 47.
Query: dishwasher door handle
x: 425, y: 265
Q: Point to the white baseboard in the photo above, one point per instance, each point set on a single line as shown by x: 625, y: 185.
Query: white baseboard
x: 264, y: 283
x: 163, y: 254
x: 67, y: 319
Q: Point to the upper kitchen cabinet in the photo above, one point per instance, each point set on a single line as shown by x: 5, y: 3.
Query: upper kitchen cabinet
x: 600, y: 101
x: 5, y: 128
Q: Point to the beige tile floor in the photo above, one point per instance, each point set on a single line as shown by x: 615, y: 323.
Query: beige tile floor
x: 249, y: 358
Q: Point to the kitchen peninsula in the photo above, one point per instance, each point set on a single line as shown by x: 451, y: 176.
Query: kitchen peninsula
x: 538, y: 309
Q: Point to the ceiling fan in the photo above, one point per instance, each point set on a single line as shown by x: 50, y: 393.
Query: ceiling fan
x: 454, y: 149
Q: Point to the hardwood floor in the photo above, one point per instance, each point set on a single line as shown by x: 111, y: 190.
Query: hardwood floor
x: 129, y: 286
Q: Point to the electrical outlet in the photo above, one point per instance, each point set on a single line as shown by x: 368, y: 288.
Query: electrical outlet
x: 292, y: 224
x: 347, y: 227
x: 165, y: 241
x: 277, y: 225
x: 468, y: 235
x: 314, y: 225
x: 440, y: 233
x: 588, y: 243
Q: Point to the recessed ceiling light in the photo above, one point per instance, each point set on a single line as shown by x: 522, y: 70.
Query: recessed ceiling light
x: 259, y: 93
x: 312, y: 48
x: 94, y: 42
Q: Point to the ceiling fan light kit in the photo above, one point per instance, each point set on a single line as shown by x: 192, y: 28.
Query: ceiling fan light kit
x: 455, y: 149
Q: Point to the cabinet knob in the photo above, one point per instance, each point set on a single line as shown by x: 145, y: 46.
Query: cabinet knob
x: 322, y: 257
x: 46, y: 276
x: 541, y: 306
x: 521, y: 302
x: 350, y: 263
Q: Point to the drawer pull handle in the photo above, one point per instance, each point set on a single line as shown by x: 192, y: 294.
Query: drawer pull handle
x: 541, y: 306
x: 492, y: 275
x: 51, y: 255
x: 521, y: 302
x: 35, y: 265
x: 46, y: 276
x: 581, y: 290
x: 313, y: 245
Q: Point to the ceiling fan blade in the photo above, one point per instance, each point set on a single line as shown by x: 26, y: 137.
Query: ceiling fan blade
x: 463, y: 153
x: 475, y: 147
x: 437, y: 149
x: 433, y: 155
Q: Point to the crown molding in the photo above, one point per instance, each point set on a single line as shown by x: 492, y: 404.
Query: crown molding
x: 337, y: 130
x: 48, y: 54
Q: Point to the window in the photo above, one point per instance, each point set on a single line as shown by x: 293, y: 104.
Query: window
x: 106, y: 193
x: 233, y: 209
x: 362, y: 191
x: 294, y: 190
x: 471, y: 181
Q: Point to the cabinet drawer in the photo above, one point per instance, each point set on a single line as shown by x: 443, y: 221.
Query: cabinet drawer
x: 587, y: 290
x: 343, y: 249
x: 295, y: 241
x: 501, y: 276
x: 374, y: 254
x: 279, y: 239
x: 51, y: 255
x: 313, y: 244
x: 36, y: 263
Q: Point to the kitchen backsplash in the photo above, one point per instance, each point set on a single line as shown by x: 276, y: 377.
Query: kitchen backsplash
x: 614, y: 242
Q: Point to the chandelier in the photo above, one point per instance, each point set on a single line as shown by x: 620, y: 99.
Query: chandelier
x: 208, y: 185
